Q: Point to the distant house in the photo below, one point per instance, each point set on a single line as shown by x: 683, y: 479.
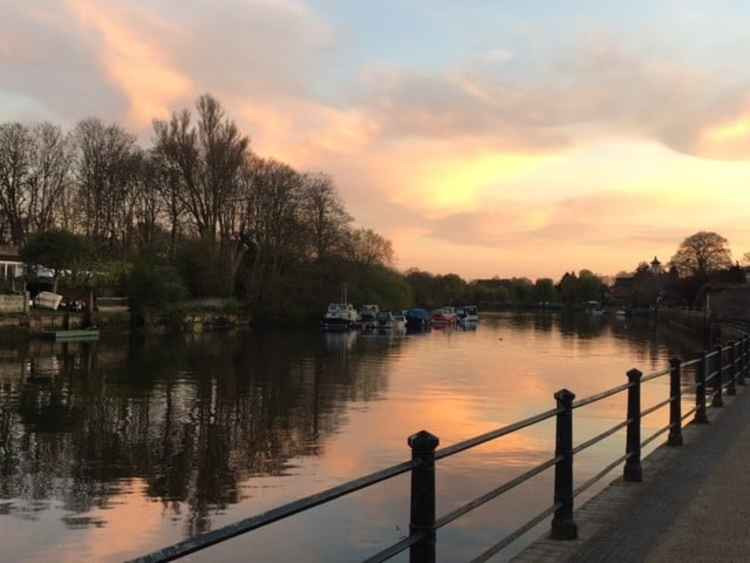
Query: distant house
x: 656, y: 267
x: 11, y: 266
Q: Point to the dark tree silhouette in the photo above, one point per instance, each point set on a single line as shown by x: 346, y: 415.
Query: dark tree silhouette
x: 701, y: 254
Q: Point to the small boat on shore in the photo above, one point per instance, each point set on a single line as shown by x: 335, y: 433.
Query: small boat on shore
x: 72, y: 335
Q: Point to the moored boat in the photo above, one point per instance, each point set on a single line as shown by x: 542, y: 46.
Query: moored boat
x: 340, y: 316
x: 399, y: 321
x: 385, y: 320
x: 469, y: 314
x: 444, y: 317
x: 368, y: 316
x: 417, y: 319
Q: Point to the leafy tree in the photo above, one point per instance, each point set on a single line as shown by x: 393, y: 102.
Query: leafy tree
x: 368, y: 248
x: 590, y: 286
x: 544, y: 291
x: 701, y: 254
x: 153, y: 283
x: 59, y: 250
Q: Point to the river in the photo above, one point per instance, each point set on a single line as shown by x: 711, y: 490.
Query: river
x: 114, y: 449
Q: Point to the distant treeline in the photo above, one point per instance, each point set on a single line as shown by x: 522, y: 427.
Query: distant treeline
x: 433, y: 290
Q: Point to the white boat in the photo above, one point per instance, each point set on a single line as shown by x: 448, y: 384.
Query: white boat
x: 368, y: 316
x: 340, y: 316
x: 470, y: 314
x: 399, y: 321
x: 48, y: 300
x: 385, y: 320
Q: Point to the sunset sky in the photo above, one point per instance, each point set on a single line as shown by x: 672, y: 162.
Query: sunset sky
x: 484, y: 138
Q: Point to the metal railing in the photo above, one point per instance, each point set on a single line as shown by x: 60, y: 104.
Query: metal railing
x: 716, y: 372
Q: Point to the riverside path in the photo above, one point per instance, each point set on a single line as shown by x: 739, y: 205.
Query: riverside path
x: 693, y: 503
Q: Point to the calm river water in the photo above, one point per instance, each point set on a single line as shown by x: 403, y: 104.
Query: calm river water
x: 111, y: 450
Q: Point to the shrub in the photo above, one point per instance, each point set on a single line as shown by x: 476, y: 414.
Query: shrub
x: 153, y: 284
x: 201, y: 267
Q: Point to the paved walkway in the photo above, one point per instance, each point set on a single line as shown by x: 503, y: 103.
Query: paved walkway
x: 693, y: 505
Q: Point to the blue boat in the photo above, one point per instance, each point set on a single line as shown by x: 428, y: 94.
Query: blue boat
x: 417, y: 319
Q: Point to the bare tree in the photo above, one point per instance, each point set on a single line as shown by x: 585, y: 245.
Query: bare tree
x: 51, y: 163
x: 273, y: 224
x: 105, y: 171
x: 702, y: 253
x: 324, y: 215
x: 208, y: 158
x: 16, y: 150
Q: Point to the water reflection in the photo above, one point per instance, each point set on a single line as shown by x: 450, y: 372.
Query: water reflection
x: 192, y: 417
x: 196, y: 424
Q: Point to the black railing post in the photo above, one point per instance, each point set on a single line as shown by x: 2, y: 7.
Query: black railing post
x: 740, y: 356
x: 700, y: 389
x: 422, y: 521
x: 563, y: 525
x: 675, y: 406
x: 731, y: 388
x: 718, y: 400
x: 633, y: 470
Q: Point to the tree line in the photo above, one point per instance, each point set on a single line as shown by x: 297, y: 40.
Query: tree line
x: 434, y: 290
x: 197, y: 213
x: 197, y: 206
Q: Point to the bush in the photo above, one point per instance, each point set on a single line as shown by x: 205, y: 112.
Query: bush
x: 201, y: 267
x: 154, y: 285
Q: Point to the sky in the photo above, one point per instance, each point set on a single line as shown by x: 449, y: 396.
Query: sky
x: 483, y: 137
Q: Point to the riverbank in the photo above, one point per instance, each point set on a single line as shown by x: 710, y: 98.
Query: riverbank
x: 191, y: 317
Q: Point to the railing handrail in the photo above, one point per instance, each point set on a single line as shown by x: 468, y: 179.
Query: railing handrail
x: 202, y: 541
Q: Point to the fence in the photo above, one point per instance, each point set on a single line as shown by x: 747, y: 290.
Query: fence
x: 717, y: 372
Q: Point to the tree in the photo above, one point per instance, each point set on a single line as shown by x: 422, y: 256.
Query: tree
x: 16, y: 149
x: 51, y: 164
x: 701, y: 254
x: 590, y: 286
x: 368, y: 248
x: 544, y: 291
x: 324, y: 214
x: 61, y: 251
x: 106, y: 168
x: 208, y: 157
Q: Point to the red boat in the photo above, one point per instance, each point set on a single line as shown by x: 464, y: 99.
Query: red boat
x: 444, y: 317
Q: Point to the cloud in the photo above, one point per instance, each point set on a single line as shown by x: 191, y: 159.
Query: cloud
x: 488, y: 159
x: 595, y: 90
x: 126, y: 43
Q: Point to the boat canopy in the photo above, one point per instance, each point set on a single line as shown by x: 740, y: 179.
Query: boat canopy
x: 418, y: 314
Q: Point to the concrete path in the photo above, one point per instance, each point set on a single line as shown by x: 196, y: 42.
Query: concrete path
x: 693, y: 505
